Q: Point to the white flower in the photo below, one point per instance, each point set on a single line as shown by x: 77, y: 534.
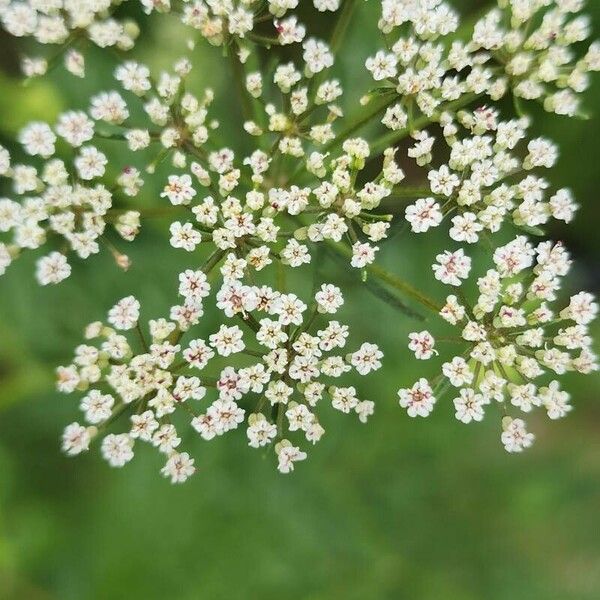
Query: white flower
x: 458, y: 372
x: 363, y: 254
x: 317, y: 55
x: 38, y: 139
x: 542, y: 153
x: 423, y: 214
x: 260, y: 432
x: 323, y: 5
x: 442, y: 181
x: 382, y: 66
x: 555, y: 400
x: 469, y: 406
x: 75, y: 127
x: 364, y: 410
x: 289, y: 308
x: 183, y: 235
x: 75, y: 63
x: 134, y: 77
x: 312, y: 183
x: 193, y: 285
x: 179, y: 190
x: 452, y: 267
x: 228, y: 340
x: 288, y: 455
x: 329, y: 298
x: 117, y: 449
x: 143, y: 426
x: 367, y: 358
x: 198, y: 353
x: 465, y: 228
x: 278, y: 392
x: 97, y: 406
x: 165, y: 438
x: 582, y: 309
x: 125, y: 313
x: 418, y: 400
x: 295, y: 254
x: 109, y: 107
x: 179, y: 467
x: 524, y: 396
x: 225, y: 414
x: 90, y: 163
x: 422, y: 344
x: 76, y: 439
x: 514, y: 436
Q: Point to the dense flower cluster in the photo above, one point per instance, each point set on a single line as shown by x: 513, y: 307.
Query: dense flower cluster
x: 488, y: 178
x: 533, y: 42
x: 60, y: 202
x: 522, y: 47
x: 66, y: 22
x: 291, y: 365
x: 516, y: 333
x: 303, y: 184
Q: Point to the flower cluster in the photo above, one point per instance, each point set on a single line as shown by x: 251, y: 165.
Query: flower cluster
x: 65, y: 23
x: 303, y: 182
x: 521, y: 47
x: 289, y: 357
x: 59, y: 202
x: 533, y: 42
x: 221, y: 21
x: 487, y: 179
x: 516, y: 333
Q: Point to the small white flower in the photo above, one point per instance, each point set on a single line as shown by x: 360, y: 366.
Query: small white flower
x: 423, y: 214
x: 184, y: 236
x: 75, y: 127
x: 76, y: 439
x: 117, y: 449
x: 179, y: 190
x: 367, y: 358
x: 515, y: 436
x: 125, y: 313
x: 469, y: 406
x: 329, y: 298
x: 179, y: 467
x: 53, y: 268
x: 288, y: 455
x: 38, y: 139
x: 422, y: 344
x: 452, y: 267
x: 418, y: 400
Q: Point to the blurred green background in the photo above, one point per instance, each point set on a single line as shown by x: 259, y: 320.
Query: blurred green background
x: 428, y: 510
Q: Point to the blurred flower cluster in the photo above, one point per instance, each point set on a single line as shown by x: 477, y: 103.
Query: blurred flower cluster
x: 311, y: 186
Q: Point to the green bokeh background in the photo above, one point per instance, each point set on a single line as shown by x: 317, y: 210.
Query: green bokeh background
x: 428, y: 510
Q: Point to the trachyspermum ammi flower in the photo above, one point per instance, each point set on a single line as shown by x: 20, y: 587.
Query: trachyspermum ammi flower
x: 516, y: 333
x: 272, y: 370
x: 299, y: 183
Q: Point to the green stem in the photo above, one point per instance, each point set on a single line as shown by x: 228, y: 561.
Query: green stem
x: 213, y: 260
x: 341, y: 26
x: 392, y: 280
x: 158, y: 211
x: 410, y: 192
x: 393, y: 137
x: 375, y: 109
x: 263, y: 39
x: 140, y: 333
x: 364, y: 118
x: 240, y: 78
